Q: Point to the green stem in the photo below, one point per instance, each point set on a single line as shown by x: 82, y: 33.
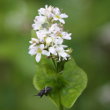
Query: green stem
x: 57, y: 69
x: 54, y: 63
x: 60, y: 105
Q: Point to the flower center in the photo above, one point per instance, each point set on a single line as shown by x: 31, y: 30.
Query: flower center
x: 39, y: 50
x: 57, y: 16
x: 59, y: 34
x: 33, y: 41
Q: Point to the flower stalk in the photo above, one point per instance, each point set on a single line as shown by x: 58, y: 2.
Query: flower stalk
x: 60, y: 105
x: 54, y: 63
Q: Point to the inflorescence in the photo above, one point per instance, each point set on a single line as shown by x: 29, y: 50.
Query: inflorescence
x: 50, y: 35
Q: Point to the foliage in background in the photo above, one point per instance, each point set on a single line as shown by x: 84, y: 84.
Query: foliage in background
x: 89, y: 21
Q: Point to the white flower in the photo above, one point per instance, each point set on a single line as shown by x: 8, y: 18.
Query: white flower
x: 58, y: 16
x: 62, y: 53
x: 33, y: 42
x: 50, y: 34
x: 47, y: 11
x: 59, y: 50
x: 32, y: 50
x: 55, y: 28
x: 58, y: 41
x: 48, y: 40
x: 39, y: 20
x: 38, y: 50
x: 52, y: 50
x: 66, y: 35
x: 41, y: 34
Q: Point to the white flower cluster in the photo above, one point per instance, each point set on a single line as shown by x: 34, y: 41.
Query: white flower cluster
x: 50, y: 35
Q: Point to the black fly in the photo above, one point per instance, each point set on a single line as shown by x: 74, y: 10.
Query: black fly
x: 44, y: 91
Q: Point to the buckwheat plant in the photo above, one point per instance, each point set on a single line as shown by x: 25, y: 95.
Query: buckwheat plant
x: 57, y: 75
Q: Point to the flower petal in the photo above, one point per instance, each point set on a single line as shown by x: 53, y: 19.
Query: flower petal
x: 64, y: 15
x: 45, y: 52
x: 32, y: 51
x: 38, y: 57
x: 62, y: 21
x: 48, y: 40
x: 52, y: 50
x: 41, y: 46
x: 58, y: 41
x: 66, y: 36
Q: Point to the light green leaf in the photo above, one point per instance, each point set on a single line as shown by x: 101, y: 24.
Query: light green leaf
x: 67, y: 85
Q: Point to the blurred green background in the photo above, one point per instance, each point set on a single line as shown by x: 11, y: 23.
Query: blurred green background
x: 89, y: 21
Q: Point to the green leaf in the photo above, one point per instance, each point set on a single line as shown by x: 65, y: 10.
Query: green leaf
x: 66, y: 86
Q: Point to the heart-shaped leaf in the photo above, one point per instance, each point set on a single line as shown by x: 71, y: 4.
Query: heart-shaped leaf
x: 66, y: 86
